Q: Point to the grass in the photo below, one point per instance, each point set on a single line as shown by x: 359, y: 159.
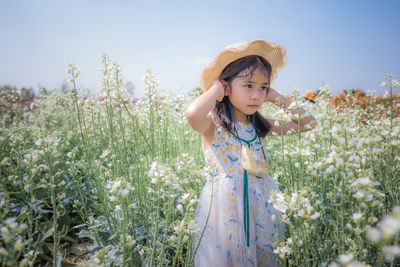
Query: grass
x: 123, y: 177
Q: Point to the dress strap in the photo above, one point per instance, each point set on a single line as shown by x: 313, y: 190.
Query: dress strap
x: 218, y: 130
x: 246, y: 211
x: 246, y: 141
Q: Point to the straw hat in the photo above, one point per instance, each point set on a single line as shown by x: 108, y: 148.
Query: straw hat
x: 274, y: 53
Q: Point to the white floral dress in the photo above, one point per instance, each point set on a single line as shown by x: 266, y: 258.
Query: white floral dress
x: 224, y: 241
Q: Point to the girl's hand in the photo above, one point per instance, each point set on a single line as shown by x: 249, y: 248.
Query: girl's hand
x: 220, y: 88
x: 271, y: 95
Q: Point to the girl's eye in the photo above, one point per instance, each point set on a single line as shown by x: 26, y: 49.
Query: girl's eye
x: 251, y: 86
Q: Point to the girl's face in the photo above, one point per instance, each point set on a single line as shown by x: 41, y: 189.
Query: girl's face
x: 247, y: 94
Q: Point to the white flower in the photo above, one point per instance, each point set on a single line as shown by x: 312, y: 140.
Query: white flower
x: 283, y: 251
x: 373, y: 234
x: 395, y: 83
x: 179, y: 207
x: 346, y: 258
x: 363, y: 181
x: 124, y: 192
x: 5, y: 162
x: 105, y: 153
x: 315, y: 216
x: 281, y: 114
x: 149, y: 79
x: 11, y: 223
x: 113, y: 186
x: 391, y: 252
x: 141, y: 252
x: 3, y: 251
x: 356, y: 264
x: 396, y: 212
x: 4, y: 230
x: 390, y: 226
x: 349, y: 226
x: 18, y: 245
x: 278, y: 201
x: 185, y: 197
x: 333, y: 264
x: 21, y: 227
x: 357, y: 217
x: 301, y: 213
x: 336, y: 130
x: 341, y: 140
x: 359, y: 195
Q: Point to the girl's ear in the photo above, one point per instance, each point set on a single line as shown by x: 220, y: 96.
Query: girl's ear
x: 226, y: 87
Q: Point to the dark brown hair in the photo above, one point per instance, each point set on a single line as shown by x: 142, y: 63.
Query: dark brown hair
x: 224, y: 109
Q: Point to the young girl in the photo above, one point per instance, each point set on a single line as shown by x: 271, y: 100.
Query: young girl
x: 236, y: 223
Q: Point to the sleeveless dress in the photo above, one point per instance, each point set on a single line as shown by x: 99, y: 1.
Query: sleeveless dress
x: 224, y: 241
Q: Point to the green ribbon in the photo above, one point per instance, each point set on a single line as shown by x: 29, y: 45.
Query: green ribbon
x: 246, y: 193
x: 246, y: 208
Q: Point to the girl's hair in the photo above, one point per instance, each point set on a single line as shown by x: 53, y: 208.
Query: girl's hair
x: 224, y: 109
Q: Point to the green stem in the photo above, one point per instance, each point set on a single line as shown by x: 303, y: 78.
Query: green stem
x: 204, y: 229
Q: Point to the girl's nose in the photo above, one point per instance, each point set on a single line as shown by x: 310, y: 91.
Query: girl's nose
x: 256, y: 94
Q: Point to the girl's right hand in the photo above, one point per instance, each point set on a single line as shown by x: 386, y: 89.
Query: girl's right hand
x: 220, y: 89
x: 271, y: 95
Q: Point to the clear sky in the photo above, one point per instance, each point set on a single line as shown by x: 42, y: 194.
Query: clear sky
x: 346, y: 44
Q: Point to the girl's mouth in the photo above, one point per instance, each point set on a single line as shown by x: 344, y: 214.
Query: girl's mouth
x: 252, y: 106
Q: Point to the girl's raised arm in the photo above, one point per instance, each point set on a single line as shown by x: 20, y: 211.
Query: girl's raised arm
x: 197, y: 112
x: 282, y: 128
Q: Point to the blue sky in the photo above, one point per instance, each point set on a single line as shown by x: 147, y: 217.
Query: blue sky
x: 345, y: 44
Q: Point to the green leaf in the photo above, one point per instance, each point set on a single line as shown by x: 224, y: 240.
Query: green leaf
x: 68, y: 264
x: 79, y: 249
x: 112, y: 237
x: 64, y: 221
x: 84, y: 233
x: 48, y: 233
x: 78, y: 226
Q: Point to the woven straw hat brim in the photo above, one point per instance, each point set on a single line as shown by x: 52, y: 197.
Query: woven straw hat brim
x: 274, y: 53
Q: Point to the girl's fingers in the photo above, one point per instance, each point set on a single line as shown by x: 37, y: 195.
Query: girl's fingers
x: 270, y: 95
x: 220, y: 86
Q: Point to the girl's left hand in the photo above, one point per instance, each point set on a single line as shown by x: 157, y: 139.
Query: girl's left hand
x: 271, y: 95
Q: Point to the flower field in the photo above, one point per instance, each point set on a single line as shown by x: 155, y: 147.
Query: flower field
x: 113, y: 181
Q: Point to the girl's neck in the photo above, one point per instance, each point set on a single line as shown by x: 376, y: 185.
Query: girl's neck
x: 240, y: 116
x: 244, y: 122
